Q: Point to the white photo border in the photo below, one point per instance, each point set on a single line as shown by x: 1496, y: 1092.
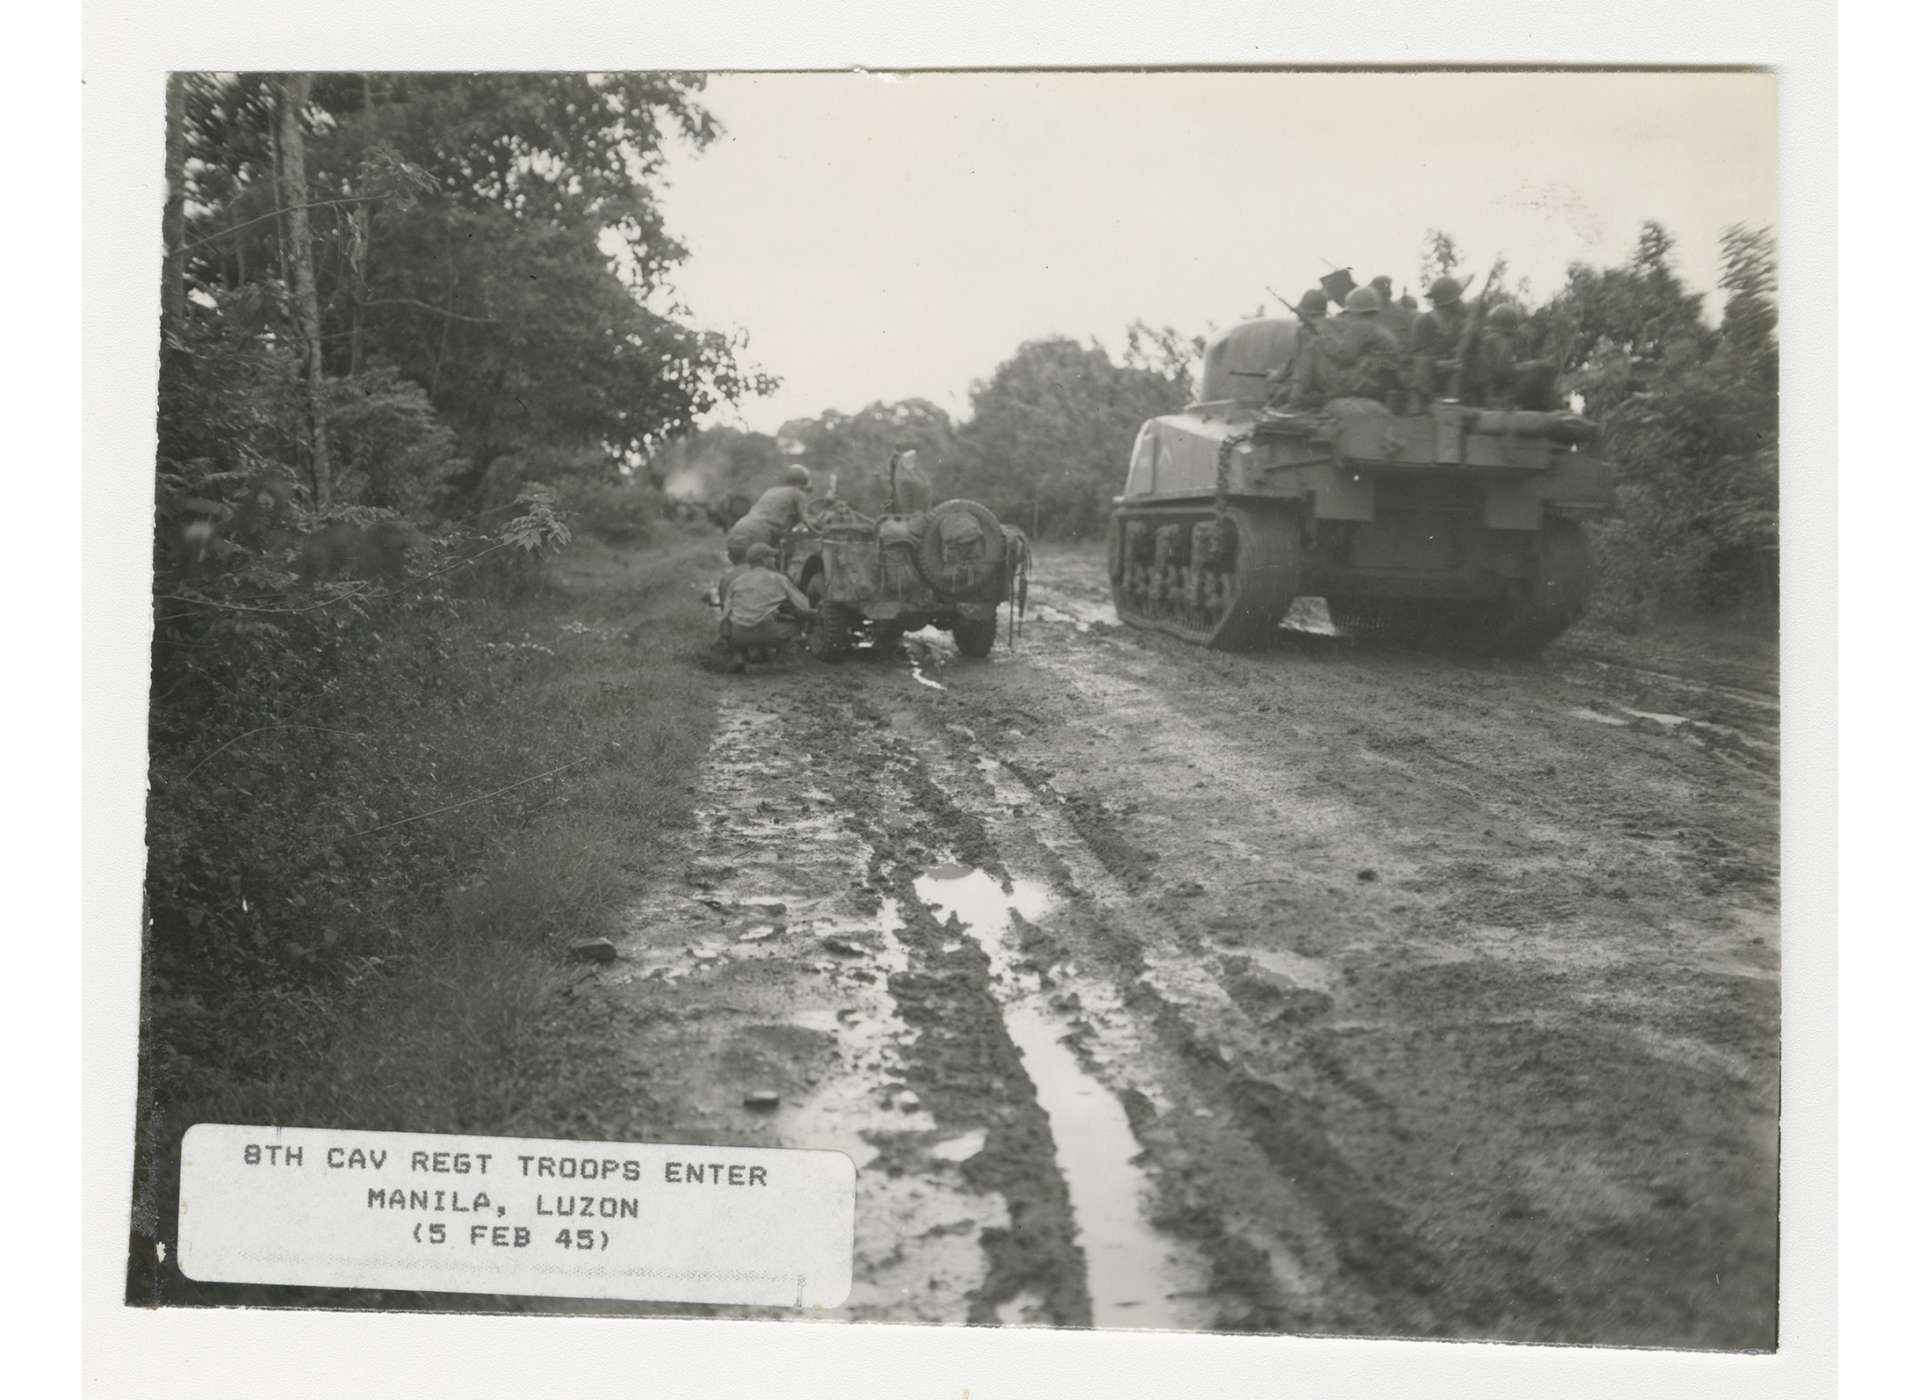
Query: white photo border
x: 128, y: 47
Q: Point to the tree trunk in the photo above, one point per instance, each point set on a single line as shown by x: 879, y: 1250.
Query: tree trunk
x: 361, y: 221
x: 306, y: 296
x: 173, y: 223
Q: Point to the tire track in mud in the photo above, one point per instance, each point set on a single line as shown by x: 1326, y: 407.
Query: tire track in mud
x: 775, y: 969
x: 1170, y: 1248
x: 1129, y: 1028
x: 1555, y: 943
x: 1230, y: 1148
x: 963, y: 1062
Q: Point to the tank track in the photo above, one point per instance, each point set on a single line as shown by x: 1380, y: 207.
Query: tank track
x: 1219, y: 578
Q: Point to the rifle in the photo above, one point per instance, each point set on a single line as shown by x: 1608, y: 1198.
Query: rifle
x: 1305, y: 324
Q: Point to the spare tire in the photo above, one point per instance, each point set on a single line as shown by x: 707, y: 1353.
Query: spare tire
x: 963, y: 552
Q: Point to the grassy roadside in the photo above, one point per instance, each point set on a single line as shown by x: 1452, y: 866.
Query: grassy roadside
x: 444, y: 1016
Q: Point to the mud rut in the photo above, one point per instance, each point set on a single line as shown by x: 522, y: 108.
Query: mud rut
x: 1139, y: 1005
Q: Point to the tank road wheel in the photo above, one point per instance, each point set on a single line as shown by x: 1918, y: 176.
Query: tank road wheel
x: 1259, y: 580
x: 1542, y: 607
x: 1222, y: 579
x: 830, y: 634
x: 975, y: 637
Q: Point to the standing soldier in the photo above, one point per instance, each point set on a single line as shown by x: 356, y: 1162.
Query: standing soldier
x: 1436, y: 337
x: 777, y: 511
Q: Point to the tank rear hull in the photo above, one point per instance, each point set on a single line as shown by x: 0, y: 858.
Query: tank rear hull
x: 1384, y: 515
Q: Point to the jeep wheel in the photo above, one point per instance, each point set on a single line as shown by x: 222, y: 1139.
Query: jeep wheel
x: 830, y: 634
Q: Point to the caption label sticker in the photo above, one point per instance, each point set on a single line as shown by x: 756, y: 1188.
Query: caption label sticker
x: 639, y: 1221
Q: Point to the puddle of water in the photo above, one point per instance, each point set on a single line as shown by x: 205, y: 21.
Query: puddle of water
x: 961, y: 1148
x: 1128, y: 1278
x: 1021, y: 1310
x: 1668, y: 720
x: 1675, y: 722
x: 928, y: 647
x: 1582, y: 712
x: 1081, y: 612
x: 769, y: 834
x: 1310, y: 615
x: 1296, y: 968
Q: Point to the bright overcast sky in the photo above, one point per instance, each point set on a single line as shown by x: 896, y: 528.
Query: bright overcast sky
x: 888, y: 237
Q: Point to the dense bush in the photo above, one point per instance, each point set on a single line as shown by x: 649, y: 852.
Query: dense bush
x: 1689, y: 416
x: 618, y: 512
x: 392, y: 450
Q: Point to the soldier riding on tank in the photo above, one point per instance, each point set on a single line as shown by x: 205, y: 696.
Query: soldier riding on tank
x: 1365, y: 353
x: 1492, y: 361
x: 1308, y: 378
x: 1436, y: 337
x: 1395, y: 315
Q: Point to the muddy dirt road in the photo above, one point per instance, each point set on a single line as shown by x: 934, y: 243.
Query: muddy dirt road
x: 1328, y: 989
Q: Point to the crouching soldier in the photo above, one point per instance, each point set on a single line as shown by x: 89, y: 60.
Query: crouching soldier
x: 760, y: 609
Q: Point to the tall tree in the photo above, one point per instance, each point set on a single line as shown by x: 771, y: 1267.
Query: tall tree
x: 173, y: 223
x: 306, y: 297
x: 1439, y: 256
x: 1051, y: 430
x: 523, y: 259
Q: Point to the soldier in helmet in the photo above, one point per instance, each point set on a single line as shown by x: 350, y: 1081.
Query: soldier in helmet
x: 777, y: 511
x: 1508, y: 380
x: 760, y: 609
x: 1492, y: 363
x: 1307, y: 379
x: 1365, y: 354
x: 1436, y: 337
x: 1393, y: 313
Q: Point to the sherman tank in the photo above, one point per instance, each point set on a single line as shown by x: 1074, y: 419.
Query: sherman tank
x: 1441, y: 523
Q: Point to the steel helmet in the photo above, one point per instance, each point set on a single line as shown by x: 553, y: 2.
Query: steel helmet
x: 1313, y: 302
x: 1445, y: 291
x: 798, y: 475
x: 1383, y: 285
x: 1505, y: 316
x: 761, y: 556
x: 1364, y: 301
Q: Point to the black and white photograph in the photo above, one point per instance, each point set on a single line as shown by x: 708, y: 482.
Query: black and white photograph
x: 1181, y: 668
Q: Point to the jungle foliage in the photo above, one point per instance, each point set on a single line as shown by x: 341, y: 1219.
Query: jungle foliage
x: 414, y: 329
